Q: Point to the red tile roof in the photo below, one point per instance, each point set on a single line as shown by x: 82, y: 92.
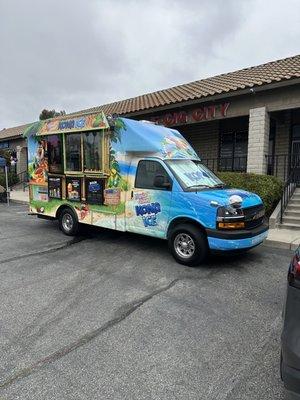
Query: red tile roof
x: 275, y: 71
x: 14, y: 132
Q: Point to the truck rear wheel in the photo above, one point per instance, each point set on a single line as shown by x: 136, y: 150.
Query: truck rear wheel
x: 188, y: 245
x: 68, y: 222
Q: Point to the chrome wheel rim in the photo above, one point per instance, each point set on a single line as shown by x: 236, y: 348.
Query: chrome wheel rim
x: 67, y: 222
x: 184, y: 245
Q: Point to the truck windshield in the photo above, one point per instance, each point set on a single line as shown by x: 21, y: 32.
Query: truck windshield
x: 193, y: 174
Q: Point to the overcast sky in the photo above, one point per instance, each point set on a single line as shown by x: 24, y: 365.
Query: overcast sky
x: 74, y: 54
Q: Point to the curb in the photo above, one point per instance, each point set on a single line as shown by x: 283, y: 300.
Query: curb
x: 16, y: 201
x: 281, y: 245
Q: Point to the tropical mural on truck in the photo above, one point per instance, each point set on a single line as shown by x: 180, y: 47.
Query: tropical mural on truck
x: 116, y: 178
x: 100, y: 198
x: 113, y: 186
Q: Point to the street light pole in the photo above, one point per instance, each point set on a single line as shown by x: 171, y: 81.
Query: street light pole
x: 7, y: 188
x: 3, y: 163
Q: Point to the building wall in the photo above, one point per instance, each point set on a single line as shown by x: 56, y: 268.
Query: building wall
x: 20, y: 146
x: 276, y: 99
x: 204, y: 138
x: 282, y: 145
x: 258, y: 140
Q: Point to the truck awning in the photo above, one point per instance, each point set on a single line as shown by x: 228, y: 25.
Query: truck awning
x: 59, y: 125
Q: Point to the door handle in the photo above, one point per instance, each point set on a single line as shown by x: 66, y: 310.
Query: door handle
x: 131, y: 195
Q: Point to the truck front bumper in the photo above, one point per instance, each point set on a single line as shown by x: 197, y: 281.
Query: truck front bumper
x: 236, y: 240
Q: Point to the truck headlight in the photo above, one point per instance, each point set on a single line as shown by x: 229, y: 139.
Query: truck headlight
x: 229, y: 217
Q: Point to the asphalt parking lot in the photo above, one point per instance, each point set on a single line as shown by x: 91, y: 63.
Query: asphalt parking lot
x: 112, y: 316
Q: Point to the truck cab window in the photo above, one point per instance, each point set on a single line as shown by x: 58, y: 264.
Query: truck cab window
x: 147, y: 170
x: 73, y: 152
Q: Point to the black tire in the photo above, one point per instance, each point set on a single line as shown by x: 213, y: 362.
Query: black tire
x: 195, y: 238
x: 68, y: 222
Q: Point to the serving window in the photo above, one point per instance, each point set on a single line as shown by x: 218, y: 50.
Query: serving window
x: 54, y: 150
x: 87, y: 152
x: 92, y: 148
x: 73, y: 151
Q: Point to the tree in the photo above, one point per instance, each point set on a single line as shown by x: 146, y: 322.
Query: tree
x: 46, y: 114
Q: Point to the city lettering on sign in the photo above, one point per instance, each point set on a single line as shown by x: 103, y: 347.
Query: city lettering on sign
x: 199, y: 114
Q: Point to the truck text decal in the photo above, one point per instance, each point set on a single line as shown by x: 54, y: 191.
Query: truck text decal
x: 148, y: 213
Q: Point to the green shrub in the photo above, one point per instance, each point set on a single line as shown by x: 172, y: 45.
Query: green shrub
x: 269, y: 188
x: 12, y: 179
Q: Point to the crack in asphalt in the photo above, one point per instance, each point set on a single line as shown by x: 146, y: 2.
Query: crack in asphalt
x: 51, y: 250
x: 123, y: 312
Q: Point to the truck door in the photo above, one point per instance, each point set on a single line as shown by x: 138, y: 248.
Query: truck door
x: 148, y: 205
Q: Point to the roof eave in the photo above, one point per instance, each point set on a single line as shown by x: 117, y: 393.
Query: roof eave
x: 225, y: 95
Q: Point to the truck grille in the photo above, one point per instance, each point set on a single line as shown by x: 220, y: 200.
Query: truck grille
x: 254, y: 216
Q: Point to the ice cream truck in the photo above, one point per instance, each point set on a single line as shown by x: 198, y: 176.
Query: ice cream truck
x: 139, y: 177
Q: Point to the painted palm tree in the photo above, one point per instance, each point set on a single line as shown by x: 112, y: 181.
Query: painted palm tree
x: 115, y: 179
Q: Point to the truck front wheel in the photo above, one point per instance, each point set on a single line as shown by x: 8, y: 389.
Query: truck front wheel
x: 188, y: 245
x: 68, y: 222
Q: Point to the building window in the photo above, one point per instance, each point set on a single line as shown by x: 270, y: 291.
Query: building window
x: 271, y: 149
x: 92, y: 145
x: 54, y: 150
x: 4, y: 145
x: 233, y: 151
x: 73, y: 152
x: 146, y: 172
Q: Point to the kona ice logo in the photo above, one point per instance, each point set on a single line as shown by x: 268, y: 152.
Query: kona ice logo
x: 196, y: 175
x: 148, y: 213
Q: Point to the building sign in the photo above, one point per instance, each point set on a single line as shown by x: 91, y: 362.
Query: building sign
x: 4, y: 145
x: 58, y: 125
x: 204, y: 113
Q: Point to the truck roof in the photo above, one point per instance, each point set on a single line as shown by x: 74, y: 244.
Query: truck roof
x: 145, y: 137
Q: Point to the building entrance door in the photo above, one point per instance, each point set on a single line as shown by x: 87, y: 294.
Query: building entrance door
x: 295, y: 158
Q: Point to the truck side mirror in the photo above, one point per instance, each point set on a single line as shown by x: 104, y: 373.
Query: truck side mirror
x: 161, y: 181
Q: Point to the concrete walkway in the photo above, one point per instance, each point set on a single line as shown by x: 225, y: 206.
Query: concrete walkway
x: 283, y: 238
x: 19, y: 196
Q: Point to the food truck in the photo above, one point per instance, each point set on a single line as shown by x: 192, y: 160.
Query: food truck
x: 139, y: 177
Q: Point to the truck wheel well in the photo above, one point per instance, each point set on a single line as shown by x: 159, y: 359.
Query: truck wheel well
x: 185, y: 220
x: 60, y: 210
